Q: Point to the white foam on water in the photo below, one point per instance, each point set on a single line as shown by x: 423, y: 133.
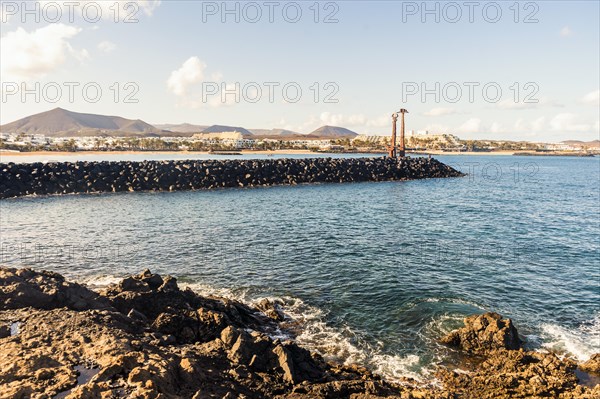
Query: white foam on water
x: 395, y: 367
x: 103, y: 281
x: 442, y: 324
x: 580, y: 342
x: 208, y: 290
x: 311, y: 331
x: 339, y: 344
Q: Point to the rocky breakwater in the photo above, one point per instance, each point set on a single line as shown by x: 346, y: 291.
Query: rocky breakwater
x: 145, y: 337
x: 96, y: 177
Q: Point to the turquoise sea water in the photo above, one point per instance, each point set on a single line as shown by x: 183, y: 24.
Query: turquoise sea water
x: 375, y: 272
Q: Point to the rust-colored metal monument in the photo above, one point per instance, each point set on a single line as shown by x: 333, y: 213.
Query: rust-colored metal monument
x: 392, y: 147
x: 402, y: 144
x: 393, y: 151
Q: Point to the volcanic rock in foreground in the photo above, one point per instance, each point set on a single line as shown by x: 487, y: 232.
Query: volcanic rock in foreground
x: 147, y: 338
x: 18, y: 180
x: 505, y: 370
x: 592, y: 365
x: 484, y: 333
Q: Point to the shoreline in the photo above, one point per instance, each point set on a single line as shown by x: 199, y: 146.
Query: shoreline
x: 145, y: 336
x: 507, y: 153
x: 287, y: 152
x: 70, y: 153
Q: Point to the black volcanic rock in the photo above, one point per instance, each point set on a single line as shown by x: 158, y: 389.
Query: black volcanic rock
x: 93, y: 177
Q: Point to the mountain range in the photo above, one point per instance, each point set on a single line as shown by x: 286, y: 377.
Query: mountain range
x: 221, y: 129
x: 60, y: 122
x: 332, y: 132
x: 181, y: 127
x: 578, y: 143
x: 275, y: 133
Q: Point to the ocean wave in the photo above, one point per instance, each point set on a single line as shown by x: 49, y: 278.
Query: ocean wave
x: 309, y: 328
x: 99, y: 282
x: 342, y: 344
x: 580, y: 342
x: 307, y: 325
x: 443, y: 324
x: 209, y: 290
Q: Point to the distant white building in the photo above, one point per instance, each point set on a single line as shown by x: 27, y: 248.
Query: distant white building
x: 372, y: 139
x: 231, y: 139
x: 561, y: 147
x: 300, y: 143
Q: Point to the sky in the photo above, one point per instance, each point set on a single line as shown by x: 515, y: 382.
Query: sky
x: 501, y: 70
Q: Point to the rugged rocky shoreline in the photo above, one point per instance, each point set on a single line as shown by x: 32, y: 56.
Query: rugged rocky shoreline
x: 18, y: 180
x: 147, y: 338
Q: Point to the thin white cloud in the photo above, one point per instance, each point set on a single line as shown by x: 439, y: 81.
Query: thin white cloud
x: 190, y: 73
x: 541, y: 128
x: 381, y: 121
x: 188, y: 81
x: 354, y: 120
x: 560, y: 124
x: 148, y: 6
x: 349, y: 121
x: 538, y: 124
x: 496, y: 128
x: 472, y: 125
x: 510, y: 104
x: 440, y: 111
x: 566, y: 32
x: 592, y: 98
x: 563, y: 123
x: 216, y: 76
x: 81, y: 55
x: 106, y: 46
x: 327, y: 118
x: 437, y: 128
x: 542, y: 102
x: 32, y: 55
x: 568, y: 122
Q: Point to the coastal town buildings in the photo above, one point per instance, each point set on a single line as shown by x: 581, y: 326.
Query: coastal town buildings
x: 234, y: 140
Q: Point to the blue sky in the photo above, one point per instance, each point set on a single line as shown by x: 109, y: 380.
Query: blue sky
x: 368, y: 59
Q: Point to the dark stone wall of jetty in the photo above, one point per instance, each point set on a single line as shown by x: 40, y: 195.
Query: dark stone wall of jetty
x: 18, y: 180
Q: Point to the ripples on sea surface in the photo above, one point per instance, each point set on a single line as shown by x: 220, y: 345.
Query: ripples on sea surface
x: 376, y: 272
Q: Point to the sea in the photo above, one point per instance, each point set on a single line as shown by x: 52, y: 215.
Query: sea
x: 370, y: 273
